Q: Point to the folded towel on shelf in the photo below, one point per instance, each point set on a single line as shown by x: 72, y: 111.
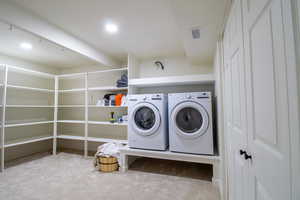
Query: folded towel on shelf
x: 122, y: 85
x: 123, y: 81
x: 124, y: 78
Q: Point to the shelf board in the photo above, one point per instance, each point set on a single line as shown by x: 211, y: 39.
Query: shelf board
x: 173, y: 80
x: 28, y: 124
x: 72, y: 90
x: 107, y: 123
x: 91, y: 139
x: 72, y: 121
x: 30, y: 106
x: 31, y: 72
x: 109, y: 70
x: 29, y: 88
x: 207, y: 159
x: 27, y: 140
x: 95, y: 106
x: 71, y: 106
x: 104, y: 140
x: 72, y: 76
x: 108, y: 88
x: 71, y: 137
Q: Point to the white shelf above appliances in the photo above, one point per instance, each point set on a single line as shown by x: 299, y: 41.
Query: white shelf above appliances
x: 173, y: 80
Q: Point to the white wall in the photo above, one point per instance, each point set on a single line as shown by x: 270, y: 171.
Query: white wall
x: 174, y: 66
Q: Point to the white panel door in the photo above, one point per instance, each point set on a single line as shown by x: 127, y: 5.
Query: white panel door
x: 267, y: 100
x: 235, y: 104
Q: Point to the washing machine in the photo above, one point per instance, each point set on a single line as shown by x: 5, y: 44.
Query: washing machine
x: 191, y: 123
x: 148, y: 121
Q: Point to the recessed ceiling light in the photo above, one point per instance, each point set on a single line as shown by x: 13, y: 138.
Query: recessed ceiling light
x: 111, y: 28
x: 26, y: 46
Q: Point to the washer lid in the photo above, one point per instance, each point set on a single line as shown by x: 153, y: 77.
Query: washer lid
x: 145, y: 119
x: 190, y: 119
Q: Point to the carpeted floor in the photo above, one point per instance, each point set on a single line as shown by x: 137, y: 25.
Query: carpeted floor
x: 71, y: 177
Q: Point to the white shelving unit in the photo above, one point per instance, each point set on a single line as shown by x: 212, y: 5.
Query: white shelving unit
x: 54, y: 96
x: 15, y: 82
x: 87, y: 86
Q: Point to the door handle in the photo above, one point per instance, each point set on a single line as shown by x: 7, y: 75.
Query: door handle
x: 242, y: 152
x: 247, y: 156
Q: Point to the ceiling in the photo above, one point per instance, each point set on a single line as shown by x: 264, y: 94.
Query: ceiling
x: 43, y: 52
x: 156, y: 28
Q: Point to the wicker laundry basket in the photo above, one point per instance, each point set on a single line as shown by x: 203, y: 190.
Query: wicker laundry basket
x: 108, y: 164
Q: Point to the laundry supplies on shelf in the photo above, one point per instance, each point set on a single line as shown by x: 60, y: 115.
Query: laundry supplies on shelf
x: 123, y: 81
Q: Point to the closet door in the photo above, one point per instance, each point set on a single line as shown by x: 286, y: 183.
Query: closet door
x: 267, y: 99
x: 235, y: 106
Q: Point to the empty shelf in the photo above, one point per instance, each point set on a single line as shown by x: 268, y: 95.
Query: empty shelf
x: 31, y: 72
x: 70, y: 137
x: 72, y: 121
x: 108, y: 123
x: 72, y: 90
x: 29, y: 106
x: 96, y: 139
x: 28, y: 124
x: 29, y: 88
x: 71, y: 106
x: 27, y: 140
x: 109, y: 70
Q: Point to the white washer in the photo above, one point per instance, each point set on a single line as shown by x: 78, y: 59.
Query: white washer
x: 190, y: 123
x: 148, y: 121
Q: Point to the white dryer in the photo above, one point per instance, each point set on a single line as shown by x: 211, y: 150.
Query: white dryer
x: 148, y: 121
x: 190, y: 123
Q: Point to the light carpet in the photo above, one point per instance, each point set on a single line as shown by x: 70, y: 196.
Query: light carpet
x: 72, y: 177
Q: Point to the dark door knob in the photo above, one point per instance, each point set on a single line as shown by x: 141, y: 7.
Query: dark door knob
x: 242, y: 152
x: 247, y: 156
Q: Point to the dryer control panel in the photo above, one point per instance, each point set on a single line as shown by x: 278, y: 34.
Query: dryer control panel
x: 198, y: 95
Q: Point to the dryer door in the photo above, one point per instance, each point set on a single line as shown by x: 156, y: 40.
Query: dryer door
x: 145, y: 119
x: 190, y: 119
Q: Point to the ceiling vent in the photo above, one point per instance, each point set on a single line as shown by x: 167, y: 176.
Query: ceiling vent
x: 196, y: 33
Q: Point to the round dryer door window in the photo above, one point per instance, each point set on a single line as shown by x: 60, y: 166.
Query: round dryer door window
x: 146, y: 119
x: 190, y: 119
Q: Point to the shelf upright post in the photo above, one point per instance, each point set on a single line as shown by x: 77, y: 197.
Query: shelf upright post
x: 3, y: 117
x: 55, y: 115
x: 86, y: 117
